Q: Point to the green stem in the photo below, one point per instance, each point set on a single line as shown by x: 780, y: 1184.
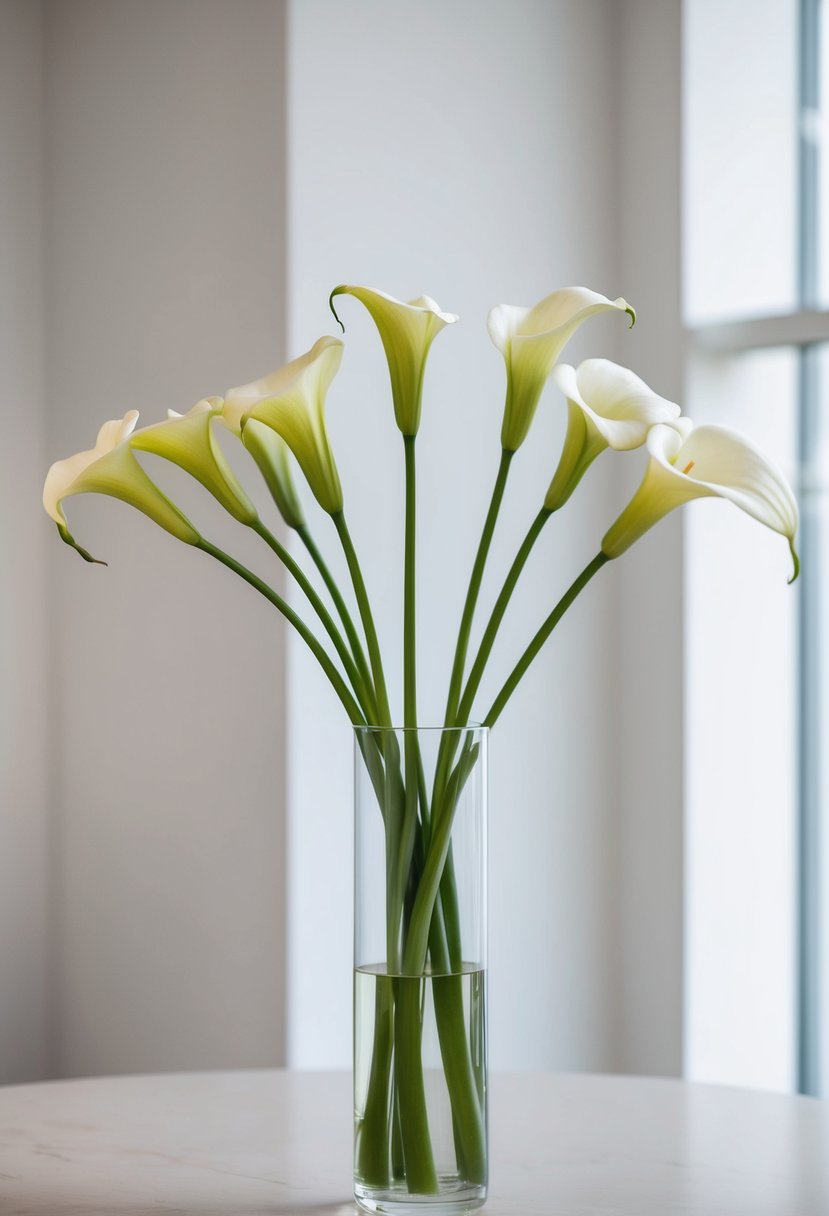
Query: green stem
x: 408, y: 1068
x: 339, y: 603
x: 467, y: 1111
x: 498, y: 611
x: 298, y: 574
x: 409, y: 602
x: 421, y: 1176
x: 540, y: 638
x: 452, y: 717
x: 414, y: 956
x: 366, y: 617
x: 474, y: 588
x: 372, y: 1149
x: 318, y: 650
x: 403, y: 860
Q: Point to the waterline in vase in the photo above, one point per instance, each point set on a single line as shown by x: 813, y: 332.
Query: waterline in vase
x: 462, y: 1186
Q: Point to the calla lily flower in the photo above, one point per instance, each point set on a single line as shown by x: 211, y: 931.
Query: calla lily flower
x: 111, y: 468
x: 187, y: 440
x: 407, y: 331
x: 269, y: 451
x: 293, y: 405
x: 709, y: 461
x: 531, y: 339
x: 608, y: 407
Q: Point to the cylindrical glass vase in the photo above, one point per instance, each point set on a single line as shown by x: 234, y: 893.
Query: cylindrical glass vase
x: 420, y: 1063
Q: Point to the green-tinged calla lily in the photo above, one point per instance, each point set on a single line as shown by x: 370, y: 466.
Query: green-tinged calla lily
x: 608, y: 407
x: 268, y: 449
x: 293, y: 405
x: 407, y: 330
x: 709, y: 461
x: 188, y: 441
x: 111, y: 468
x: 531, y: 339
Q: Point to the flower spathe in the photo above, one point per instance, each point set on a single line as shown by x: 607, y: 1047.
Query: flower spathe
x: 111, y: 468
x: 269, y: 450
x: 291, y: 402
x: 188, y: 441
x: 608, y: 407
x: 407, y: 330
x: 705, y: 462
x: 531, y: 340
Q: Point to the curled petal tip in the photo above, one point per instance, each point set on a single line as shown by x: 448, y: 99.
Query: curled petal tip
x: 631, y: 312
x: 336, y: 292
x: 796, y: 561
x: 68, y: 539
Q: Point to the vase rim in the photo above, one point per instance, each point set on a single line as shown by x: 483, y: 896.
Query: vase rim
x: 370, y: 728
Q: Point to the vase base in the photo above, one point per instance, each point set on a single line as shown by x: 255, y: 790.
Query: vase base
x: 453, y: 1199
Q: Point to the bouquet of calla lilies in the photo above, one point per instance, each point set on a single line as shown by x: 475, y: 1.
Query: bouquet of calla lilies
x: 282, y: 416
x: 280, y: 421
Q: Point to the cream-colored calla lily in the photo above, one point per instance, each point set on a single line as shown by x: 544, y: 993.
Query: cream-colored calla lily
x: 709, y: 461
x: 531, y: 339
x: 407, y: 330
x: 268, y: 449
x: 111, y: 468
x: 188, y: 441
x: 608, y: 407
x: 293, y: 405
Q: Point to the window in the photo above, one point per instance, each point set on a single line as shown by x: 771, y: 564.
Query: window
x: 756, y: 264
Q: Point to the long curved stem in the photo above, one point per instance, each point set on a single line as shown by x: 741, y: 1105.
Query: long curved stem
x: 475, y: 587
x: 498, y: 611
x: 318, y: 650
x: 364, y: 695
x: 365, y: 615
x: 575, y: 588
x: 339, y: 603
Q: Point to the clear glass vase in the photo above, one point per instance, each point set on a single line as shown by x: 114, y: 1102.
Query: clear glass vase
x: 420, y: 1063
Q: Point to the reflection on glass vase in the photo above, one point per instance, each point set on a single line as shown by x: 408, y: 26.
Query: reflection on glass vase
x: 420, y: 1072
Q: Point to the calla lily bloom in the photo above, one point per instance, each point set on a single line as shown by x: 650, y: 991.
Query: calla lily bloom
x: 188, y: 441
x: 111, y: 468
x: 269, y: 451
x: 608, y: 407
x: 531, y: 339
x: 709, y: 461
x: 407, y: 331
x: 293, y: 405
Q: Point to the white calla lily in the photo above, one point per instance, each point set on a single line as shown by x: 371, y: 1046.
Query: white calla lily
x: 608, y: 407
x: 407, y: 330
x: 188, y: 441
x: 531, y: 340
x: 291, y: 402
x: 111, y: 468
x: 703, y: 462
x: 269, y: 450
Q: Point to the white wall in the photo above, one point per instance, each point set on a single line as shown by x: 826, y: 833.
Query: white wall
x: 165, y: 281
x: 25, y: 718
x: 467, y: 151
x: 483, y: 152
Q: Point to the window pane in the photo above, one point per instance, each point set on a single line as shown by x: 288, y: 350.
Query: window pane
x: 814, y: 502
x: 740, y: 171
x: 816, y: 127
x: 741, y: 749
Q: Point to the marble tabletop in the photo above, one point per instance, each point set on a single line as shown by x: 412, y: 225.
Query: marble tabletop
x: 267, y: 1142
